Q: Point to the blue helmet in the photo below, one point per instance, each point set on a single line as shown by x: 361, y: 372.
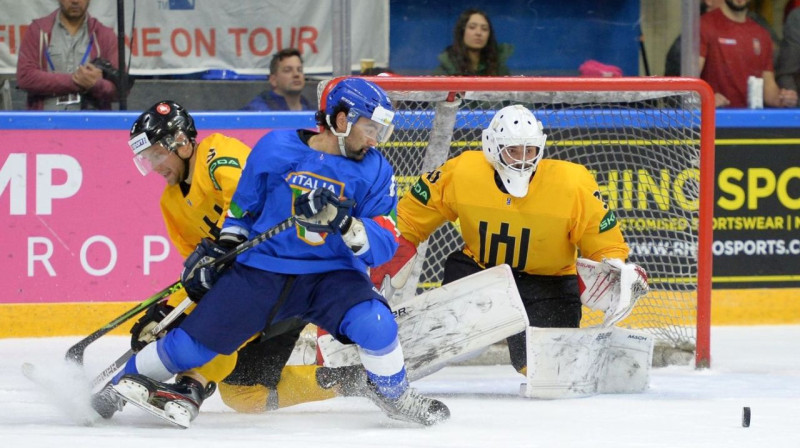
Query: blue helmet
x: 363, y: 99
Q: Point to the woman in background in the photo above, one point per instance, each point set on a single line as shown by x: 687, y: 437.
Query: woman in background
x: 475, y: 51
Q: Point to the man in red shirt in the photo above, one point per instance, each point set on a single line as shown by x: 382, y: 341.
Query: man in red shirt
x: 55, y: 64
x: 734, y: 47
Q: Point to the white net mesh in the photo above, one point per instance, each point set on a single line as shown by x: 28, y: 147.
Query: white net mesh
x: 643, y: 148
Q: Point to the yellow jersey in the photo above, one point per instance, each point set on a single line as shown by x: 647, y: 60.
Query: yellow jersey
x: 199, y: 214
x: 539, y: 234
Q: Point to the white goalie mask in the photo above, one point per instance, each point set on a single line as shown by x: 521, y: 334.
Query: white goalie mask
x: 514, y: 144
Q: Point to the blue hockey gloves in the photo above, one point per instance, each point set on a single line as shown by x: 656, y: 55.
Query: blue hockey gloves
x: 321, y: 211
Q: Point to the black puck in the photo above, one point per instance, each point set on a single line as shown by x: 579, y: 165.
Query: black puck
x: 746, y: 417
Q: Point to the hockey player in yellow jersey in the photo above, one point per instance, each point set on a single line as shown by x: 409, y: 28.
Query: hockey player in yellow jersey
x: 201, y: 179
x: 517, y: 208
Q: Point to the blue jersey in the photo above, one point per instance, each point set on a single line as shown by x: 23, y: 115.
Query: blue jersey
x: 281, y: 167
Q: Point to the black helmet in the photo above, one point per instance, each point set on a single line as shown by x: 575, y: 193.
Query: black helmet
x: 165, y: 118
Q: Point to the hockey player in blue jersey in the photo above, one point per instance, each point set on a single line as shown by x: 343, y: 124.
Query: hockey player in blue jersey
x: 341, y: 192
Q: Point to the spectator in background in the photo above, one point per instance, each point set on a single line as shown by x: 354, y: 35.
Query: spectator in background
x: 475, y: 51
x: 58, y: 60
x: 377, y: 71
x: 734, y: 47
x: 287, y: 81
x: 790, y: 6
x: 672, y: 64
x: 787, y: 69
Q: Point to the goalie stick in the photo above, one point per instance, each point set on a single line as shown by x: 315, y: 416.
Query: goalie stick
x: 76, y: 352
x: 448, y: 322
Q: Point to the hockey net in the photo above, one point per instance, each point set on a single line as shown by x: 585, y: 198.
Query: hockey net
x: 649, y: 144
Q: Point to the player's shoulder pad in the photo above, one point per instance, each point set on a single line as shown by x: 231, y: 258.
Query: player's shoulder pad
x: 564, y: 170
x: 466, y: 167
x: 471, y: 160
x: 466, y: 162
x: 273, y: 140
x: 218, y: 151
x: 277, y: 150
x: 221, y: 145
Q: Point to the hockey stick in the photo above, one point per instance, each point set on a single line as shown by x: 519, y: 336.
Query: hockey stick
x: 75, y: 353
x: 169, y: 318
x: 119, y: 362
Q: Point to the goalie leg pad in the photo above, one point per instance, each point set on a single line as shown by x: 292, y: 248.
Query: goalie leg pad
x: 449, y: 322
x: 630, y: 357
x: 564, y: 362
x: 571, y: 363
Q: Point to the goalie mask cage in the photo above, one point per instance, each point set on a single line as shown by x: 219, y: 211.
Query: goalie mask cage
x: 649, y: 142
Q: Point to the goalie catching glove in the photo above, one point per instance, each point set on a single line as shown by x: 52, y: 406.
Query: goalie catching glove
x: 611, y: 286
x: 321, y: 211
x: 199, y: 272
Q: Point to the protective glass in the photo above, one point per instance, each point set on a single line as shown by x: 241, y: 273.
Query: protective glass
x: 519, y: 157
x: 148, y: 159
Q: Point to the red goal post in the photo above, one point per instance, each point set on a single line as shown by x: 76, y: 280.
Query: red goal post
x: 648, y: 140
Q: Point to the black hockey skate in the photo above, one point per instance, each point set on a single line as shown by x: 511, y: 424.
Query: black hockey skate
x: 349, y: 381
x: 107, y: 402
x: 411, y: 406
x: 177, y: 403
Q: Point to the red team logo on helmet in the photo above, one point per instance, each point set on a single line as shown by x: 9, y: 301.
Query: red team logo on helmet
x: 163, y: 108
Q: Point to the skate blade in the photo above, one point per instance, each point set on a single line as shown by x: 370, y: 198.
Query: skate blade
x: 178, y: 414
x: 404, y: 418
x: 136, y: 394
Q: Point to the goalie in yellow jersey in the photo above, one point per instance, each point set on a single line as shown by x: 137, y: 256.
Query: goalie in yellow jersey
x: 201, y: 179
x: 531, y: 213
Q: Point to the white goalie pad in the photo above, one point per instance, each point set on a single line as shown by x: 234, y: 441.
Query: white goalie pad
x: 448, y: 322
x: 580, y: 362
x: 629, y: 358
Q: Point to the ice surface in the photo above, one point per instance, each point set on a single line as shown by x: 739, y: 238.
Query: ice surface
x: 757, y: 367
